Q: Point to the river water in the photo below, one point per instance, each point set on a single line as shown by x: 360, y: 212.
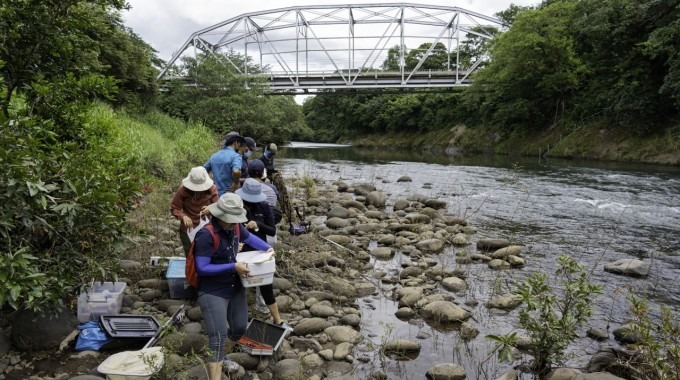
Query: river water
x: 596, y: 212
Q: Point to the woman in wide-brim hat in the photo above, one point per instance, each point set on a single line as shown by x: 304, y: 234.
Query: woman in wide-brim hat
x: 221, y: 295
x: 193, y: 196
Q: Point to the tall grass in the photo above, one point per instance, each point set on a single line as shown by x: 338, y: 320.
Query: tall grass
x: 165, y: 147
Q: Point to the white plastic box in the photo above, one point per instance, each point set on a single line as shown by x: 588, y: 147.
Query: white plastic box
x: 177, y: 281
x: 101, y: 298
x: 262, y: 267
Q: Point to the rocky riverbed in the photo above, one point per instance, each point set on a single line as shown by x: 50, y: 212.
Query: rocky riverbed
x: 325, y: 279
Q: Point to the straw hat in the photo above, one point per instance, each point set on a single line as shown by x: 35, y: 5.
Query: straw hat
x: 198, y: 179
x: 229, y: 209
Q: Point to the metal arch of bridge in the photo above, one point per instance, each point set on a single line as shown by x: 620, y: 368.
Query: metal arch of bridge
x: 322, y: 47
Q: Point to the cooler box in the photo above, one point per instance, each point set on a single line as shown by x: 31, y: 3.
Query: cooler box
x: 262, y: 267
x: 179, y: 288
x: 99, y: 299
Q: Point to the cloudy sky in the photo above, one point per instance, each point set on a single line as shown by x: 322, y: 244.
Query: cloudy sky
x: 166, y: 24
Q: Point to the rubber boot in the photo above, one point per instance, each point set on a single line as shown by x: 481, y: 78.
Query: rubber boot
x: 215, y: 371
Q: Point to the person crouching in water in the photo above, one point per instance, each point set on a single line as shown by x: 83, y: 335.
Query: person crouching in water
x: 261, y: 223
x: 221, y: 295
x: 193, y: 196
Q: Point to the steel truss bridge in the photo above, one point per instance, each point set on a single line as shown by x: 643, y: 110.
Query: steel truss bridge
x: 328, y: 47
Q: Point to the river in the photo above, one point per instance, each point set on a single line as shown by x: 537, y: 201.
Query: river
x: 596, y: 212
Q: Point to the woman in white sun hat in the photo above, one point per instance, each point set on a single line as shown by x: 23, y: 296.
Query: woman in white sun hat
x: 221, y: 295
x: 193, y: 196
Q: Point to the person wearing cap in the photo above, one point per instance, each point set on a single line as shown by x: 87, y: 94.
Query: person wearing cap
x: 257, y: 171
x: 221, y: 296
x: 226, y: 163
x: 246, y: 151
x: 193, y: 196
x: 261, y: 223
x: 268, y: 157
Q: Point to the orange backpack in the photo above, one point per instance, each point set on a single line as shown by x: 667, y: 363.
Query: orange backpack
x: 190, y: 266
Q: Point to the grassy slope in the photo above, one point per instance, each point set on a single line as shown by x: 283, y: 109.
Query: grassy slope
x: 587, y: 142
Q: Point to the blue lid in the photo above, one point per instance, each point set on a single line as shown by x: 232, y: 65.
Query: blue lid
x: 175, y: 269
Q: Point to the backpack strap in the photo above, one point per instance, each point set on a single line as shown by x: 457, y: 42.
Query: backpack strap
x: 216, y: 237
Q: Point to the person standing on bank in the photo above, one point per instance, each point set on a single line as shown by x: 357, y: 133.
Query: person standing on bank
x: 246, y: 151
x: 256, y: 171
x: 267, y: 158
x: 193, y: 196
x: 221, y: 296
x: 260, y: 223
x: 225, y: 164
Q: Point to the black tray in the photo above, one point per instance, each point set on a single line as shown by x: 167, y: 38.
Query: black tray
x: 129, y: 326
x: 262, y: 338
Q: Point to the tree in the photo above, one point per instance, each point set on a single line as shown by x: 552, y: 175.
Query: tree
x: 437, y: 59
x: 392, y: 62
x: 534, y: 70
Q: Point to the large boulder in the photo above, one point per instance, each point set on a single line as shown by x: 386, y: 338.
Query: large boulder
x: 444, y: 311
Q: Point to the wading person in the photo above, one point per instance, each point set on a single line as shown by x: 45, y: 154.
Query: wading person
x: 193, y: 196
x: 267, y: 157
x: 221, y: 295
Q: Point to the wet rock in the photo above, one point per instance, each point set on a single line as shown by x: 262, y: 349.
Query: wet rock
x: 468, y: 331
x: 631, y: 267
x: 504, y: 302
x: 480, y: 257
x: 598, y: 376
x: 310, y: 326
x: 454, y: 284
x: 498, y: 264
x: 597, y: 334
x: 405, y: 313
x: 460, y: 240
x: 609, y: 358
x: 515, y: 261
x: 430, y: 245
x: 492, y: 244
x: 326, y: 354
x: 369, y: 227
x: 382, y: 252
x: 446, y: 371
x: 514, y: 250
x: 186, y: 343
x: 340, y: 334
x: 417, y: 218
x: 401, y: 346
x: 510, y: 374
x: 431, y: 298
x: 282, y: 284
x: 404, y: 178
x: 375, y: 214
x: 436, y: 204
x: 444, y: 311
x: 353, y: 204
x: 363, y: 188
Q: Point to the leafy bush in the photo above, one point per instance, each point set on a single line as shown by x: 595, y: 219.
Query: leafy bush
x: 658, y: 351
x: 552, y: 320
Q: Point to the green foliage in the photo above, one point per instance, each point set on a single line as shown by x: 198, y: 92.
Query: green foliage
x: 22, y: 282
x: 219, y: 100
x: 657, y: 353
x: 505, y: 344
x: 552, y: 320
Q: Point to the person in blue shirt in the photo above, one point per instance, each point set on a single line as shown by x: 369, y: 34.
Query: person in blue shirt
x: 221, y: 295
x: 246, y: 151
x: 225, y: 164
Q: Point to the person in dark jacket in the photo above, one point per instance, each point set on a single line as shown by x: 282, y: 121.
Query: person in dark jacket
x: 260, y: 223
x: 221, y: 294
x: 267, y: 158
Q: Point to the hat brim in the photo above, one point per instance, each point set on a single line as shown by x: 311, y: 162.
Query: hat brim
x: 252, y: 198
x: 186, y: 182
x: 227, y: 217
